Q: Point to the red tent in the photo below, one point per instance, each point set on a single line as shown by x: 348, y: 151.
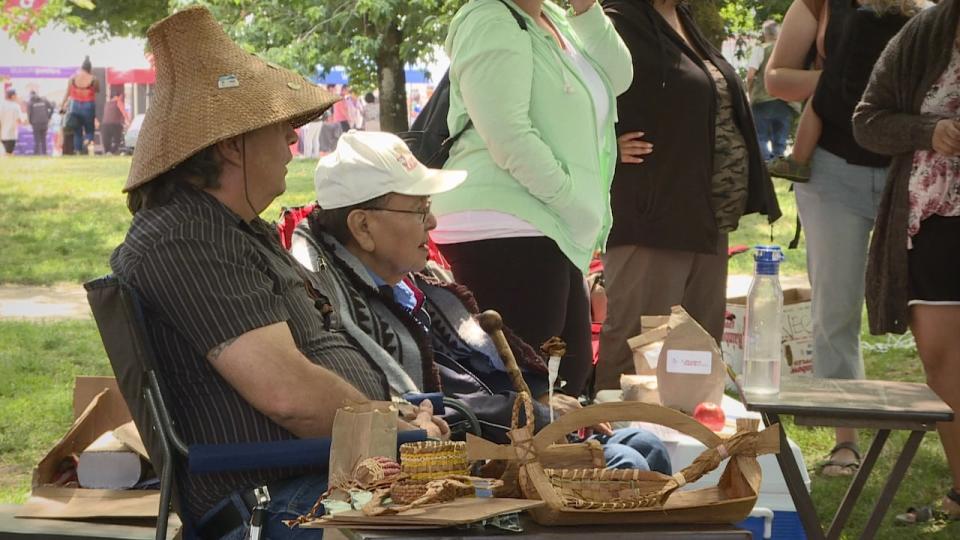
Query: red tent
x: 131, y: 76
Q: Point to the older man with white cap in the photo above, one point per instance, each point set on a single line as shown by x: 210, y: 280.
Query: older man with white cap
x: 245, y: 342
x: 367, y: 241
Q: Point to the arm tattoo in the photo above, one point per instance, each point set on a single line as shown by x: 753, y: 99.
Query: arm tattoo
x: 216, y: 351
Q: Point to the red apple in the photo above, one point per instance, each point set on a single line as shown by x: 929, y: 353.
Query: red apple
x: 711, y: 415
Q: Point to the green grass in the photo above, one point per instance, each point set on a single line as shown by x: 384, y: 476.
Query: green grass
x: 61, y: 218
x: 38, y: 362
x: 754, y: 229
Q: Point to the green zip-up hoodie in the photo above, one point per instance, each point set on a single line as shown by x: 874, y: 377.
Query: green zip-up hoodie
x: 534, y: 150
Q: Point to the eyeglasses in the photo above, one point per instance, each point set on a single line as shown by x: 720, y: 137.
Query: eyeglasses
x: 422, y: 213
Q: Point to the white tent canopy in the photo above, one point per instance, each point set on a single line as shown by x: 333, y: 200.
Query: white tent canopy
x: 60, y: 50
x: 55, y: 46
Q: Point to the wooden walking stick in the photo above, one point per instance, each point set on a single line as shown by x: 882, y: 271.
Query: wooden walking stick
x: 492, y: 324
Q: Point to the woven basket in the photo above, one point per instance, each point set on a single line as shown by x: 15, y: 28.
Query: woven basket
x: 599, y: 496
x: 430, y: 460
x: 407, y: 491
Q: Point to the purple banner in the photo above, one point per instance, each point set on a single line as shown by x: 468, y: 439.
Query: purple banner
x: 36, y: 72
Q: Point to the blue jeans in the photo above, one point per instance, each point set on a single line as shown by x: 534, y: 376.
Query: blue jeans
x: 635, y: 448
x: 772, y: 119
x: 837, y: 209
x: 85, y: 111
x: 288, y: 500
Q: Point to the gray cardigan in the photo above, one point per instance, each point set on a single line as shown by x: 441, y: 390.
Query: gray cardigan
x: 888, y: 121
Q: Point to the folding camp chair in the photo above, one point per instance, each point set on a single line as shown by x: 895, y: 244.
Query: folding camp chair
x: 121, y: 319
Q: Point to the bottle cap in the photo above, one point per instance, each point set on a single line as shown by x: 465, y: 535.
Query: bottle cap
x: 768, y: 259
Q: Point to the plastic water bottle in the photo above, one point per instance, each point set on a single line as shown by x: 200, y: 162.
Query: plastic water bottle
x: 763, y: 352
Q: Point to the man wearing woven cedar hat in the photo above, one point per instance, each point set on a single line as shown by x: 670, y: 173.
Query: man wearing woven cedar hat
x: 249, y: 349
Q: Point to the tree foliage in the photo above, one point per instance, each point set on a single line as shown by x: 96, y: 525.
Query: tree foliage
x: 350, y: 33
x: 707, y: 15
x: 743, y: 19
x: 121, y: 17
x: 372, y: 39
x: 20, y: 20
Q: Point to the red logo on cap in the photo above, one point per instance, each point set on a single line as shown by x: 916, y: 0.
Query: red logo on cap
x: 406, y: 159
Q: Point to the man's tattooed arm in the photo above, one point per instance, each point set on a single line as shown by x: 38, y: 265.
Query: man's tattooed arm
x: 218, y: 350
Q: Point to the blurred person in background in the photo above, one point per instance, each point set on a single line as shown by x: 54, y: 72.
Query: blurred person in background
x: 39, y: 111
x: 115, y: 117
x: 11, y: 116
x: 772, y: 117
x: 82, y: 90
x: 371, y: 112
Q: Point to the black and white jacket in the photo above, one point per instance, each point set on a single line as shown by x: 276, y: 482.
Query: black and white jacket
x: 455, y: 356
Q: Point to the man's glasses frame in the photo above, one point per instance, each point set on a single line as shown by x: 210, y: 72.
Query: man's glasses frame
x: 422, y: 213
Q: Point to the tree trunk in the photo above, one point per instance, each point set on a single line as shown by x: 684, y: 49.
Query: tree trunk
x: 707, y: 15
x: 393, y: 82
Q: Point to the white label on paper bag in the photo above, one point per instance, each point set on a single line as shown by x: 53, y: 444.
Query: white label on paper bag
x: 689, y: 362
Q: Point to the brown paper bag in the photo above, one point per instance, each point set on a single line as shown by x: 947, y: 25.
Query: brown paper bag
x: 690, y: 369
x: 361, y: 430
x: 646, y: 346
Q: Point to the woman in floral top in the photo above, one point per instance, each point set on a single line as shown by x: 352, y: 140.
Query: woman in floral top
x: 934, y: 185
x: 910, y: 111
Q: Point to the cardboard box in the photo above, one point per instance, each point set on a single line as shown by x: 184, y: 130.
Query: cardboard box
x: 797, y: 333
x: 98, y: 407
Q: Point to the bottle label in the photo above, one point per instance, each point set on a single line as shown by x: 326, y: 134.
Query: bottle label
x: 689, y: 362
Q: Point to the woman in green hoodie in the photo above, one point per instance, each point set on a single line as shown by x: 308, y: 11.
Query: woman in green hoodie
x: 540, y: 155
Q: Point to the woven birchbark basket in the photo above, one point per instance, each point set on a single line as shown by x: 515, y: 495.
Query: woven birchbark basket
x: 578, y: 496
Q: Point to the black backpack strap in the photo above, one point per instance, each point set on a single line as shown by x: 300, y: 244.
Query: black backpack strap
x: 448, y: 144
x: 796, y: 235
x: 521, y: 22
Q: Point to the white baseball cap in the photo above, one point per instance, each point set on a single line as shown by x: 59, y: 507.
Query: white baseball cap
x: 368, y: 164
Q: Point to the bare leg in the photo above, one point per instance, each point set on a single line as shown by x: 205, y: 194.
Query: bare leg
x: 842, y: 456
x: 938, y: 342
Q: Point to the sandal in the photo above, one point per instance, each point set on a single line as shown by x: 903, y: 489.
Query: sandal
x: 913, y: 516
x: 841, y: 468
x: 787, y: 168
x: 951, y: 505
x: 950, y: 511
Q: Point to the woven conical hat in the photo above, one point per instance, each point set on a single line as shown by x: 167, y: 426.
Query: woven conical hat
x: 209, y: 89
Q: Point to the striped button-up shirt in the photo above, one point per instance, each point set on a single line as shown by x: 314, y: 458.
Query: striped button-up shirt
x: 206, y: 276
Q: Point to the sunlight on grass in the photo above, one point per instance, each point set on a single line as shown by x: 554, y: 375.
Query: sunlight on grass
x: 61, y: 218
x: 754, y: 230
x: 38, y: 363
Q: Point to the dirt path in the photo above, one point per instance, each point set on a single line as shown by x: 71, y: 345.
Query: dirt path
x: 68, y: 301
x: 62, y: 301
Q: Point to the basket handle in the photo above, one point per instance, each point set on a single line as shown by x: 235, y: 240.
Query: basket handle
x: 492, y: 324
x: 624, y: 411
x: 522, y: 400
